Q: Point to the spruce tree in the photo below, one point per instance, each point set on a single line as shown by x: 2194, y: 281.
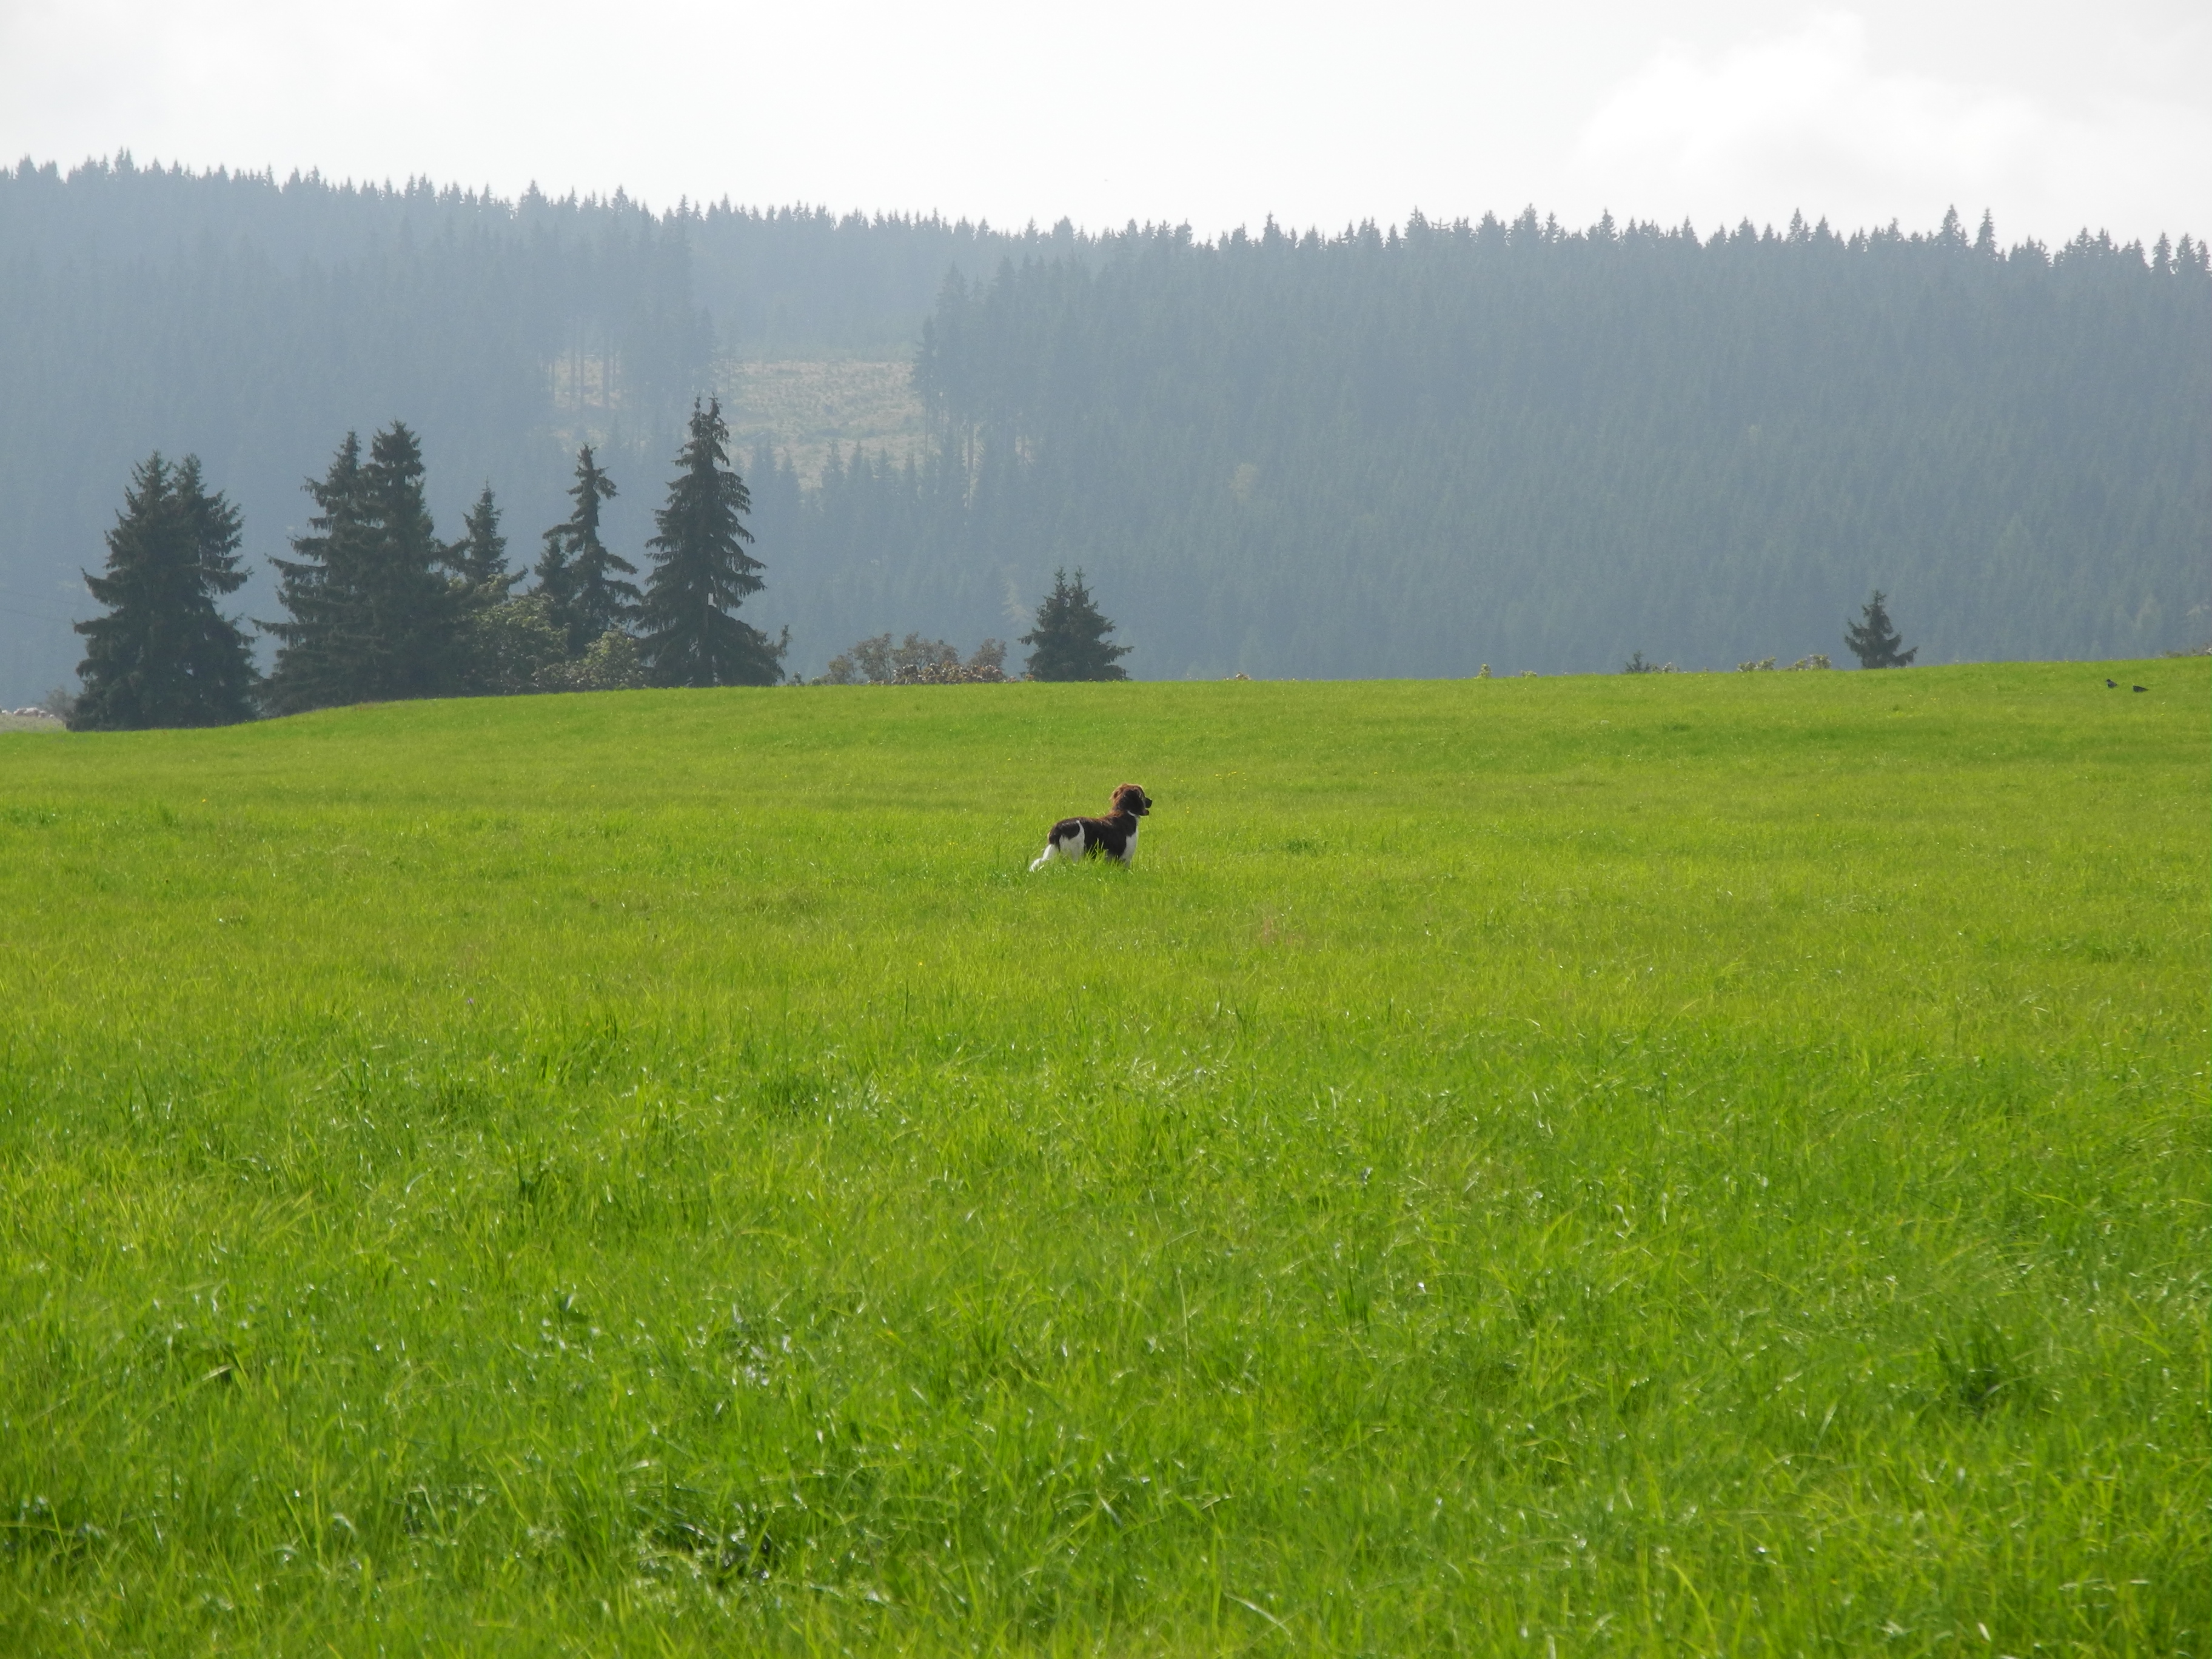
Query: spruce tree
x: 701, y: 572
x: 373, y: 618
x: 318, y: 588
x: 576, y: 571
x: 1070, y: 636
x: 479, y: 558
x: 556, y: 583
x: 1873, y: 640
x: 505, y: 642
x: 163, y: 654
x: 418, y: 611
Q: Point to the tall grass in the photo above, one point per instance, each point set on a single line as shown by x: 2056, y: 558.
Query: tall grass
x: 1640, y: 1165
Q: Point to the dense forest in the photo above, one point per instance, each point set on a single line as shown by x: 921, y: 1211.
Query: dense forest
x: 1401, y: 451
x: 1414, y: 452
x: 253, y: 322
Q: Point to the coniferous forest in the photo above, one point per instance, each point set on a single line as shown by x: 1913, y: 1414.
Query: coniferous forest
x: 1408, y: 450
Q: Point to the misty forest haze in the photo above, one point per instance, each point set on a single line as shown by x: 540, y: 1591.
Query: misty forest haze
x: 1400, y: 450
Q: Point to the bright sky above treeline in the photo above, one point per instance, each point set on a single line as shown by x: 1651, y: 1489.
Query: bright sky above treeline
x: 2054, y: 114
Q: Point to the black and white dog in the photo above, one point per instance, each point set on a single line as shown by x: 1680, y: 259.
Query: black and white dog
x: 1115, y: 835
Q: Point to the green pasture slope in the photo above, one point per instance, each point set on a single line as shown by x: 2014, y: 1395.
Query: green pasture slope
x: 1659, y: 1164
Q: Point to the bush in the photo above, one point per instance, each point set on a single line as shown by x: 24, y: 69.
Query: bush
x: 915, y: 661
x: 613, y: 662
x: 511, y: 645
x: 953, y: 673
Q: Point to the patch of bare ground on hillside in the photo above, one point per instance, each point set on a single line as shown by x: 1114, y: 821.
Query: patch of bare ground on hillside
x: 804, y: 407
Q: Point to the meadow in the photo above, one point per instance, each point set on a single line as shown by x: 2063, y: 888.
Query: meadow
x: 1650, y: 1164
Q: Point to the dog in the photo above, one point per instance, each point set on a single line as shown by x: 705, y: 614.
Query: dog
x: 1114, y: 835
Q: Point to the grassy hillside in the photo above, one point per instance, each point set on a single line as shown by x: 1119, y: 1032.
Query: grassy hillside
x: 1630, y: 1165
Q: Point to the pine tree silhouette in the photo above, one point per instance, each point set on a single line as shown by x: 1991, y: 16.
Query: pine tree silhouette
x: 576, y: 571
x: 164, y: 655
x: 701, y: 572
x: 479, y: 558
x: 1069, y: 640
x: 316, y: 588
x: 1873, y: 640
x: 372, y: 616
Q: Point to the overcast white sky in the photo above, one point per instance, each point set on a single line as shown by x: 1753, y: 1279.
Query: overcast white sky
x: 2055, y: 113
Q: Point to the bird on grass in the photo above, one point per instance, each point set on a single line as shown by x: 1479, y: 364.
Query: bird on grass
x: 2142, y: 687
x: 2111, y: 685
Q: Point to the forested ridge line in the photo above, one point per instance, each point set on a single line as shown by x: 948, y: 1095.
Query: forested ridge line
x: 252, y: 321
x: 1393, y: 450
x: 1416, y: 451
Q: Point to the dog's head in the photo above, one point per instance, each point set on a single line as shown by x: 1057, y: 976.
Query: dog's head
x: 1133, y: 800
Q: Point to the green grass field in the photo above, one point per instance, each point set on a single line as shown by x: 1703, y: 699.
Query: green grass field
x: 1629, y: 1165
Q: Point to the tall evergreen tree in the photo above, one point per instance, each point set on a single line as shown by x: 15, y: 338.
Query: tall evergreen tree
x: 556, y: 583
x: 1873, y: 640
x: 163, y: 654
x: 373, y: 618
x: 701, y: 572
x: 576, y: 571
x: 505, y: 642
x: 479, y: 558
x: 318, y: 588
x: 1069, y: 640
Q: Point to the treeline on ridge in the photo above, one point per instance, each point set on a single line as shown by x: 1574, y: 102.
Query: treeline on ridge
x: 1401, y: 450
x: 1411, y: 451
x: 248, y: 319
